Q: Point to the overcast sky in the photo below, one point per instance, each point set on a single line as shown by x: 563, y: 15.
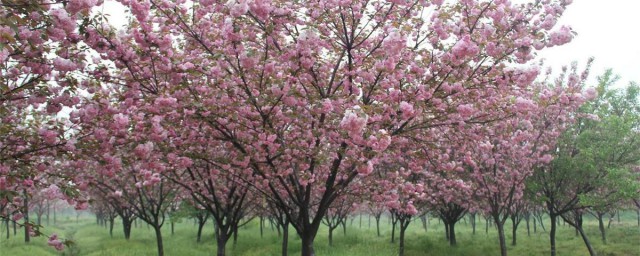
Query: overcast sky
x: 607, y: 30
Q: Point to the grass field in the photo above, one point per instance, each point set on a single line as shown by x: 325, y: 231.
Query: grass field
x: 93, y: 240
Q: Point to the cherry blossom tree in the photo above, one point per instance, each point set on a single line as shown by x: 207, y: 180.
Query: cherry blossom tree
x: 308, y: 95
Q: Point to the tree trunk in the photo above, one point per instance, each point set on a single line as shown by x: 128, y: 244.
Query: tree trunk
x: 601, y: 227
x: 126, y: 227
x: 344, y: 228
x: 423, y: 218
x: 6, y: 221
x: 307, y: 244
x: 378, y: 224
x: 173, y: 224
x: 48, y: 212
x: 586, y: 240
x: 200, y: 227
x: 285, y: 238
x: 393, y: 231
x: 261, y: 226
x: 221, y: 240
x: 446, y: 231
x: 330, y: 236
x: 159, y: 240
x: 501, y: 238
x: 452, y: 234
x: 552, y: 233
x: 526, y: 218
x: 473, y: 223
x: 514, y: 227
x: 404, y: 223
x: 235, y: 236
x: 111, y: 220
x: 27, y: 226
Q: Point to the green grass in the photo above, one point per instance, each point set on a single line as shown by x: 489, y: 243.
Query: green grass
x: 93, y: 240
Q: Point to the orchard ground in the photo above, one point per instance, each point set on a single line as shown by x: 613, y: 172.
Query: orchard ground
x: 361, y: 239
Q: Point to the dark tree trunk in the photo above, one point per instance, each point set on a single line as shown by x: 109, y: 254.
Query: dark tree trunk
x: 307, y: 244
x: 592, y: 252
x: 552, y: 233
x: 601, y: 227
x: 526, y: 219
x: 472, y: 219
x: 235, y: 236
x: 201, y: 223
x: 515, y: 221
x: 159, y: 240
x: 378, y: 225
x: 285, y: 238
x: 111, y: 220
x: 126, y: 227
x: 446, y: 231
x: 173, y: 224
x: 423, y: 218
x: 501, y: 237
x: 331, y: 236
x: 261, y: 226
x: 393, y: 229
x: 6, y: 222
x: 221, y: 240
x: 452, y: 234
x: 535, y: 228
x: 344, y: 228
x: 404, y: 223
x: 27, y: 226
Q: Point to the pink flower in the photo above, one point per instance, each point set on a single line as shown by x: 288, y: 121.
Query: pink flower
x: 366, y: 169
x: 237, y: 9
x: 55, y: 242
x: 561, y: 36
x: 465, y: 110
x: 64, y: 65
x: 590, y: 93
x: 407, y: 110
x: 465, y: 47
x: 524, y: 105
x: 143, y: 150
x: 353, y: 124
x: 120, y: 121
x: 546, y: 158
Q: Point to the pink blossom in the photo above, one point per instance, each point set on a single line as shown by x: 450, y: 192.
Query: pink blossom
x: 63, y: 20
x: 54, y: 242
x: 166, y: 101
x: 120, y: 121
x: 561, y: 36
x: 407, y: 110
x: 524, y: 105
x: 365, y: 169
x: 64, y: 65
x: 143, y: 150
x: 590, y: 93
x: 465, y: 110
x: 237, y: 9
x: 353, y: 124
x: 465, y: 47
x: 546, y: 158
x: 50, y: 137
x: 4, y: 54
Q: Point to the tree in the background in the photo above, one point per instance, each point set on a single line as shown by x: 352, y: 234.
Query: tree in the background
x: 593, y: 159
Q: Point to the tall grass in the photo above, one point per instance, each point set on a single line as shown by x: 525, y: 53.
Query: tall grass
x: 360, y: 240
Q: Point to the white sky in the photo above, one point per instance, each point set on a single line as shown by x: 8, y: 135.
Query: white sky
x: 607, y: 30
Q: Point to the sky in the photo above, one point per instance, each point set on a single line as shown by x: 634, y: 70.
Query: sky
x: 607, y: 31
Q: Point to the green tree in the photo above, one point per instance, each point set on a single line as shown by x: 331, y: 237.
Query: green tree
x: 592, y: 166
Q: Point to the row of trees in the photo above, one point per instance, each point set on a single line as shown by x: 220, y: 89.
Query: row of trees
x: 303, y: 109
